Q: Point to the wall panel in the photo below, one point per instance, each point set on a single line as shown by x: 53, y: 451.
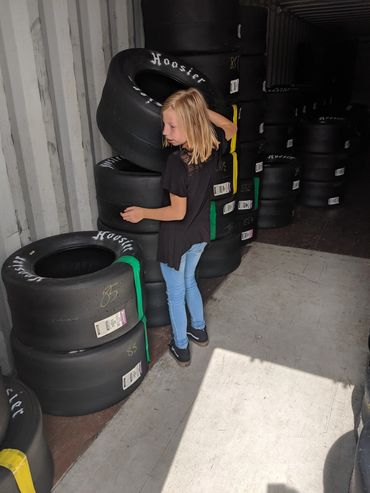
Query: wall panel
x: 54, y: 56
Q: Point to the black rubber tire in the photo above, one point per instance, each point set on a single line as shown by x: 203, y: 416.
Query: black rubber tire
x: 223, y: 182
x: 322, y: 194
x: 279, y: 139
x: 224, y: 221
x: 360, y: 480
x: 191, y: 27
x: 25, y: 433
x: 148, y: 243
x: 129, y: 112
x: 220, y: 257
x: 275, y: 213
x: 245, y: 198
x: 252, y: 77
x: 323, y: 167
x: 157, y: 309
x: 281, y: 105
x: 253, y: 29
x: 85, y: 381
x: 281, y: 177
x: 222, y: 69
x: 60, y: 287
x: 250, y: 120
x: 247, y: 227
x: 120, y: 184
x: 250, y: 159
x: 4, y: 409
x: 365, y: 409
x: 324, y: 135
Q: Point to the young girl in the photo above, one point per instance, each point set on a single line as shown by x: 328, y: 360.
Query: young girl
x: 184, y: 229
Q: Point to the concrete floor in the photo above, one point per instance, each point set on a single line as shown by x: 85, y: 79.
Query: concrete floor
x: 267, y: 407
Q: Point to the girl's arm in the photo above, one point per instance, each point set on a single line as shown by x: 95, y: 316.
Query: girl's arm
x: 220, y: 121
x: 174, y: 212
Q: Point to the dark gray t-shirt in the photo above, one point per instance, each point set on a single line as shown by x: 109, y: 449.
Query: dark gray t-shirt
x: 195, y: 183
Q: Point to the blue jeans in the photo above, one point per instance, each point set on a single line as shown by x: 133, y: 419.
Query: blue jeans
x: 181, y: 285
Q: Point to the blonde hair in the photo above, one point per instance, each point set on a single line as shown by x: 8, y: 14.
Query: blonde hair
x: 191, y: 110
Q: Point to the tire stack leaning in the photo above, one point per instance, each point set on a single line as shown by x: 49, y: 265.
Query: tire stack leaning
x: 79, y: 339
x: 204, y: 35
x: 25, y: 459
x: 281, y: 178
x: 323, y: 150
x: 129, y: 118
x: 252, y: 33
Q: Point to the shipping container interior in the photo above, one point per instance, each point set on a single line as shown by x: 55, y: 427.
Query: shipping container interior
x: 320, y: 44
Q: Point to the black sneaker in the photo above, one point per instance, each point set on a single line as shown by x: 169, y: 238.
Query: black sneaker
x: 199, y: 336
x: 182, y: 356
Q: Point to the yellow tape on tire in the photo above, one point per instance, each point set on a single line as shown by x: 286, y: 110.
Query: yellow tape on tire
x: 235, y: 172
x: 235, y: 120
x: 17, y: 462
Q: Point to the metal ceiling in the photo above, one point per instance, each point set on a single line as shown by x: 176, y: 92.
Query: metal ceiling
x: 346, y: 17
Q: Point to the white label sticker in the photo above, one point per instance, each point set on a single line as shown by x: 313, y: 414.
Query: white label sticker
x: 347, y: 144
x: 247, y: 235
x: 333, y: 201
x: 234, y: 86
x: 228, y: 207
x: 339, y: 171
x: 259, y: 166
x: 131, y: 377
x: 289, y: 143
x: 110, y: 324
x: 221, y: 188
x: 295, y: 185
x: 245, y: 204
x: 261, y: 128
x: 239, y: 31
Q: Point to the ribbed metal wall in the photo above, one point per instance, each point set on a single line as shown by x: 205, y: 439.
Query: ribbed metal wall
x: 54, y: 56
x: 284, y: 34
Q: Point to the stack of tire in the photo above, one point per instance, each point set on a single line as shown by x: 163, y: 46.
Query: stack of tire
x: 252, y: 33
x: 281, y: 178
x: 279, y: 191
x: 25, y: 459
x: 79, y: 338
x: 129, y: 118
x: 203, y: 35
x: 323, y: 146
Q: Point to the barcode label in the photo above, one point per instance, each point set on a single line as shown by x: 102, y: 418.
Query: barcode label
x: 131, y: 377
x: 228, y: 207
x: 289, y: 143
x: 259, y: 166
x: 234, y: 86
x: 295, y: 184
x: 339, y: 171
x: 221, y: 188
x: 261, y: 128
x: 247, y: 235
x: 333, y: 201
x: 245, y: 205
x: 347, y: 144
x: 110, y: 324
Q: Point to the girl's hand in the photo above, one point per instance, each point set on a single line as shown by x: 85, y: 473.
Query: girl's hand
x: 133, y: 214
